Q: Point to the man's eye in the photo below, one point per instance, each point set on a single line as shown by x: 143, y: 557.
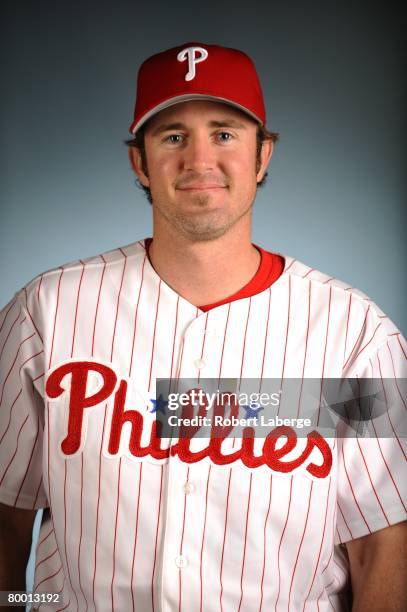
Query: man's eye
x: 224, y: 136
x: 174, y: 138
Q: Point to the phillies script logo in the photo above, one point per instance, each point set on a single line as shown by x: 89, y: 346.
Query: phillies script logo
x: 272, y: 453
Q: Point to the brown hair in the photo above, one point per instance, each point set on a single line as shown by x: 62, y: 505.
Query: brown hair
x: 138, y: 142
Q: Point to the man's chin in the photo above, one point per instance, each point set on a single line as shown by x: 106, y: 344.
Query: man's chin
x: 199, y: 233
x: 205, y: 220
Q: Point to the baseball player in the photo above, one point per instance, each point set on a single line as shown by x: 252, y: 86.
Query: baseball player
x: 135, y: 521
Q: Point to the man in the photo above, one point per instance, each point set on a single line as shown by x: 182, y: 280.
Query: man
x: 139, y: 522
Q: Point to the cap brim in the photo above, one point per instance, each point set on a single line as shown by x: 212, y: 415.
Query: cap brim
x: 136, y: 125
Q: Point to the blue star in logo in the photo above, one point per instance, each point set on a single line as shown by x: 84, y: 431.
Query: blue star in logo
x: 159, y: 404
x: 252, y: 410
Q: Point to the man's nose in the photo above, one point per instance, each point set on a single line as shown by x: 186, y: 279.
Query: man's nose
x: 199, y: 154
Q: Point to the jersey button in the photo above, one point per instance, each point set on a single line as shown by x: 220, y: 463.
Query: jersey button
x: 189, y: 487
x: 199, y: 363
x: 181, y: 561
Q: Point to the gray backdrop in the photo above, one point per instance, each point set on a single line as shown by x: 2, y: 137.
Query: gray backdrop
x: 334, y: 80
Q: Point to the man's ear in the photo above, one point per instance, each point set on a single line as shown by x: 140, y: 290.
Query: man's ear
x: 265, y: 156
x: 137, y: 165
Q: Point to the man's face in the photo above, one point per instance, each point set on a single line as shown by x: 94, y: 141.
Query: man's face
x: 201, y: 165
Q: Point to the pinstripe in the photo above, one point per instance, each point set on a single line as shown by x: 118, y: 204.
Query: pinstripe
x: 40, y: 543
x: 364, y: 347
x: 353, y: 492
x: 15, y: 452
x: 173, y: 342
x: 290, y: 265
x: 9, y: 332
x: 223, y: 345
x: 117, y: 308
x: 39, y: 288
x: 80, y: 536
x: 76, y: 310
x: 264, y: 546
x: 347, y: 327
x: 30, y: 459
x: 136, y: 314
x: 37, y: 565
x: 369, y: 475
x: 281, y: 541
x: 358, y: 339
x: 324, y: 355
x: 300, y: 545
x: 203, y: 345
x: 136, y: 534
x: 115, y: 534
x: 47, y: 578
x: 37, y: 493
x: 305, y: 348
x: 155, y: 328
x: 245, y: 542
x: 244, y: 340
x: 265, y: 339
x: 6, y: 312
x: 287, y: 328
x: 224, y: 538
x: 55, y: 319
x: 10, y: 415
x: 97, y: 309
x: 156, y: 539
x: 320, y: 548
x: 180, y: 546
x: 203, y: 541
x: 97, y: 510
x: 29, y: 359
x: 30, y: 316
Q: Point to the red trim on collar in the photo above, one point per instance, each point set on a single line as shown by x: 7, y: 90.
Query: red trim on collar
x: 270, y: 269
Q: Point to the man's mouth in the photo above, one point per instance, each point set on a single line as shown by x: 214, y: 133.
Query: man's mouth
x: 200, y: 187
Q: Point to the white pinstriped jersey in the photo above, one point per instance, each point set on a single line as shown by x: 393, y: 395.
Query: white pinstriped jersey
x: 136, y: 530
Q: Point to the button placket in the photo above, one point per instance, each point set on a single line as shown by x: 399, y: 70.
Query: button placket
x: 172, y: 561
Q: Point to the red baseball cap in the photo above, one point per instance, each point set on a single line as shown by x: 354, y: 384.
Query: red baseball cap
x: 195, y: 71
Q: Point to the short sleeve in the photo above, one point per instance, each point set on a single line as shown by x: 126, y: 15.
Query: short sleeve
x: 21, y: 409
x: 372, y: 470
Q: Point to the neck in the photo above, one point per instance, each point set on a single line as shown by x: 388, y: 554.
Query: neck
x: 204, y: 272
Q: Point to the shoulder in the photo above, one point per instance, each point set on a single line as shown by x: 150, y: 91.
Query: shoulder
x: 367, y: 327
x: 39, y: 296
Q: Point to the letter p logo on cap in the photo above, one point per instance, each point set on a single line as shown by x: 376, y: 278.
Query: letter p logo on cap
x: 193, y: 58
